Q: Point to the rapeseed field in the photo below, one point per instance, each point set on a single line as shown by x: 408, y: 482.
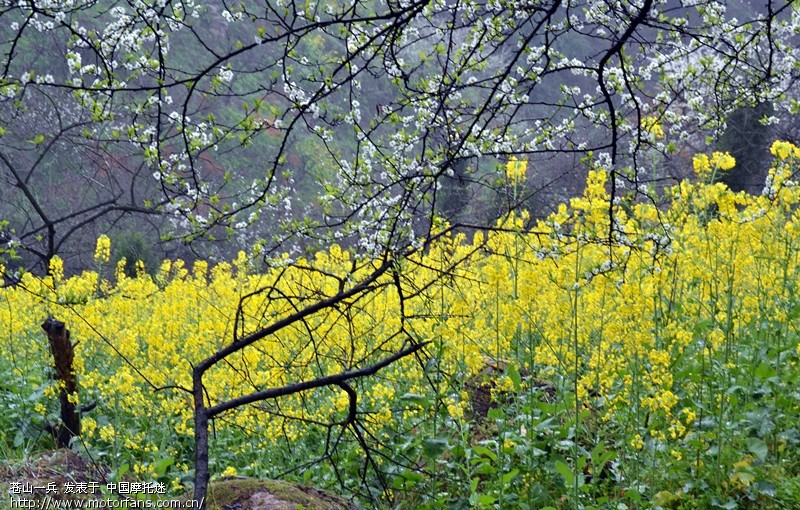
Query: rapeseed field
x: 634, y: 355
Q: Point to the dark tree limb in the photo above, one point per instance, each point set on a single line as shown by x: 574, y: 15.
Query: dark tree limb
x: 203, y: 415
x: 331, y: 380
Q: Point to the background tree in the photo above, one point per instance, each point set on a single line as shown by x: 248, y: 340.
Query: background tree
x: 747, y: 138
x: 63, y: 188
x: 230, y: 110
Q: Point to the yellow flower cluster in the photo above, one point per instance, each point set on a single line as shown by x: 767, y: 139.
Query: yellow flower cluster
x: 229, y: 471
x: 653, y: 126
x: 784, y: 150
x: 56, y: 270
x: 516, y: 169
x: 705, y: 167
x: 781, y: 184
x: 102, y: 252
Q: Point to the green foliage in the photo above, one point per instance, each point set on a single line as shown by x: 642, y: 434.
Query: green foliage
x: 133, y: 247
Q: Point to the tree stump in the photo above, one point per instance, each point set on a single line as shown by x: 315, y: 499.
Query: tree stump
x: 63, y: 356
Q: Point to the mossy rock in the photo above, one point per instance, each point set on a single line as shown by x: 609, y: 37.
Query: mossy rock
x: 252, y: 494
x: 64, y: 466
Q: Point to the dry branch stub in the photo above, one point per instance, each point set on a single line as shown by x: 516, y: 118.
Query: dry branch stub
x: 484, y: 393
x: 63, y: 352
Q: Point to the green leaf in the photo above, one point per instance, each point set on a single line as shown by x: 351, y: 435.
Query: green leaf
x: 515, y: 377
x: 664, y: 498
x: 484, y: 468
x: 434, y: 447
x: 38, y: 139
x: 757, y: 447
x: 764, y: 371
x: 160, y: 467
x: 121, y: 471
x: 633, y: 495
x: 566, y: 472
x: 413, y: 398
x: 766, y: 488
x: 600, y: 456
x: 486, y: 500
x: 485, y: 452
x: 496, y: 413
x: 431, y: 365
x: 412, y: 476
x: 510, y: 476
x: 398, y: 482
x: 730, y: 504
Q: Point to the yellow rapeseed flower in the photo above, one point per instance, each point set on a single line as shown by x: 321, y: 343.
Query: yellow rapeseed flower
x: 88, y: 426
x: 705, y: 167
x: 516, y: 169
x: 56, y: 269
x: 701, y: 165
x: 653, y: 126
x: 783, y: 150
x: 722, y: 161
x: 107, y: 433
x: 102, y: 252
x: 455, y: 408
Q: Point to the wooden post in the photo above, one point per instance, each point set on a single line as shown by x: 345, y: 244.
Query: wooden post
x: 63, y: 356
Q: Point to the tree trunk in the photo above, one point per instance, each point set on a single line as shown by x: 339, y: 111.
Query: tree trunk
x: 201, y: 473
x: 63, y: 355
